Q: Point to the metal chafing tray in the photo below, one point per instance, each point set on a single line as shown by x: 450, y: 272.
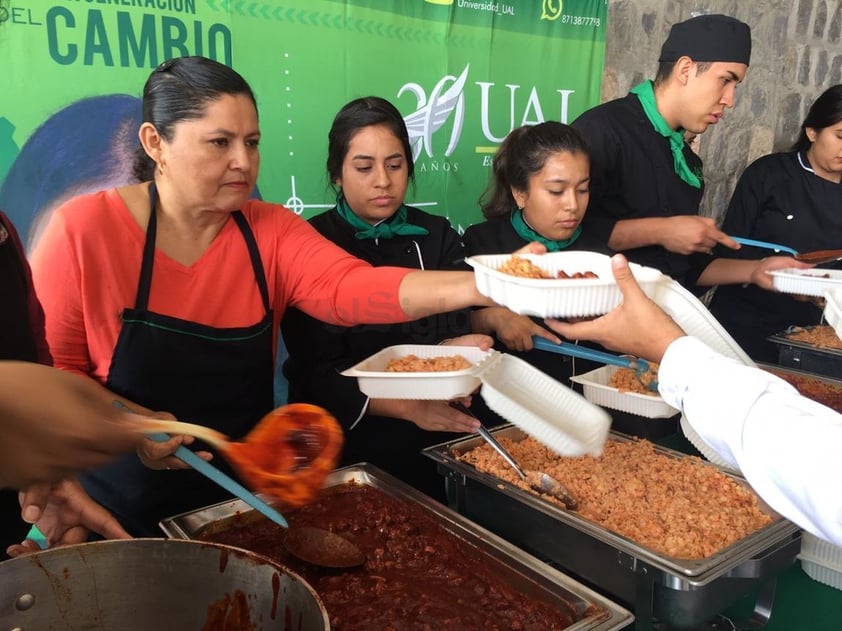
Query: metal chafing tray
x: 521, y: 571
x: 783, y: 371
x: 677, y: 592
x: 807, y: 357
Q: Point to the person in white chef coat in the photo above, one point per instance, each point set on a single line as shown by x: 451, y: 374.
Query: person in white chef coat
x: 786, y: 445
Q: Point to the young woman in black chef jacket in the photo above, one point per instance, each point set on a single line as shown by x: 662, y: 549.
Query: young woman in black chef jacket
x: 538, y: 192
x: 793, y: 198
x: 370, y: 165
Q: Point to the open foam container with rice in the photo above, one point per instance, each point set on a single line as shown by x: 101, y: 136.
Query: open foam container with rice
x: 554, y: 297
x: 695, y: 319
x: 806, y: 282
x: 544, y: 408
x: 597, y: 388
x: 583, y: 297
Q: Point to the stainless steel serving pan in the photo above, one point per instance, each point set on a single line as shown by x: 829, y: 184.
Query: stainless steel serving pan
x: 523, y: 572
x: 680, y: 592
x: 835, y: 384
x: 142, y: 584
x: 786, y: 339
x: 807, y: 357
x: 784, y: 370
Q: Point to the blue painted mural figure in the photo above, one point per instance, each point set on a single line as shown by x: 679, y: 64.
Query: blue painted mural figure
x: 83, y: 147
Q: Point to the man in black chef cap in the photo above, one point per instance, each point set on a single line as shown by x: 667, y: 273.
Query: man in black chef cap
x: 646, y: 183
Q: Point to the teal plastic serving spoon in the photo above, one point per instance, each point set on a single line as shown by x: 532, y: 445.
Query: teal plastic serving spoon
x: 640, y: 366
x: 815, y: 257
x: 215, y: 475
x: 765, y: 244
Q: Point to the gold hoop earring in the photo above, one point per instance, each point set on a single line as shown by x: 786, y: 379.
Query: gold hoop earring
x: 161, y: 168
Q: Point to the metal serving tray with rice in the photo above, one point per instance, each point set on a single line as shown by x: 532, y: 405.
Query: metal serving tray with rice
x: 809, y: 357
x: 824, y: 390
x: 681, y: 593
x: 521, y: 571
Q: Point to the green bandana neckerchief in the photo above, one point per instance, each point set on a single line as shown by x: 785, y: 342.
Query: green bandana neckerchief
x: 523, y: 230
x: 386, y: 229
x: 646, y: 95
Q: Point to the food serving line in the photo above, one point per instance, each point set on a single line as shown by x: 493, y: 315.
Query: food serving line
x: 682, y: 594
x: 544, y: 555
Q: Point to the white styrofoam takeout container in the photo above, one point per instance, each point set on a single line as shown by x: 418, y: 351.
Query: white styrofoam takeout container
x: 806, y: 282
x: 699, y: 443
x: 833, y: 309
x: 695, y: 319
x: 596, y: 388
x: 377, y: 383
x: 555, y: 297
x: 544, y: 408
x: 821, y: 560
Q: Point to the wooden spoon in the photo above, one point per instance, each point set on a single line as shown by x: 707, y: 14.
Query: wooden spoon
x: 287, y: 455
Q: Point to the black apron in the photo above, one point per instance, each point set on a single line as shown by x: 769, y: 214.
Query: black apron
x: 219, y: 377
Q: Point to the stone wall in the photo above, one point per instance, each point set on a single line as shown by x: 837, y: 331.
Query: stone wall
x: 796, y: 55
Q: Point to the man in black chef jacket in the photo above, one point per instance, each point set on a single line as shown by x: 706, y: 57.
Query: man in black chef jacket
x: 646, y: 182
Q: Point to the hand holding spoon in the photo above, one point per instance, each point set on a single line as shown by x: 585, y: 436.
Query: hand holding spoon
x: 287, y: 456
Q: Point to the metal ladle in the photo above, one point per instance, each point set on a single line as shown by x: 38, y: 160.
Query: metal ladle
x: 538, y: 480
x: 322, y: 547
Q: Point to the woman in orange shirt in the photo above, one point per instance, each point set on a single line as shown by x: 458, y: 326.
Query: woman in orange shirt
x: 170, y: 292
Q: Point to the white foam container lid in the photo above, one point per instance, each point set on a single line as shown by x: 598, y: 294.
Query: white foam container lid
x: 544, y: 408
x: 555, y: 297
x: 806, y: 282
x: 699, y: 443
x: 694, y: 318
x: 821, y: 560
x: 833, y: 310
x: 596, y: 388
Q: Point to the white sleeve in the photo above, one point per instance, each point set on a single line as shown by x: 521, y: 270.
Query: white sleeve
x: 786, y: 445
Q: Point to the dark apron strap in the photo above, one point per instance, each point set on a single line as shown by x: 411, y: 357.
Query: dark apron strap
x: 254, y: 255
x: 145, y: 282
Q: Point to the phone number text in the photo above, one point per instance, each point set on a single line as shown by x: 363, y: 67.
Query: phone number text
x: 580, y: 20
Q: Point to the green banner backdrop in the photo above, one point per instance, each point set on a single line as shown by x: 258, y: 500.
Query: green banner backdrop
x: 462, y: 72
